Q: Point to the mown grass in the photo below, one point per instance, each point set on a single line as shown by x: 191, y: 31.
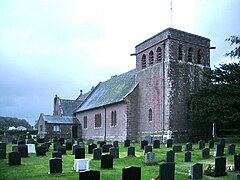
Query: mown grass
x: 35, y: 167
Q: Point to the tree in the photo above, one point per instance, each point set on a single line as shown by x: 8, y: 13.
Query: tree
x: 218, y: 100
x: 6, y: 122
x: 235, y: 40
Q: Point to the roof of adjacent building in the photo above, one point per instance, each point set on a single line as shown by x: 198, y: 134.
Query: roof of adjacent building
x: 109, y: 92
x: 60, y: 119
x: 68, y: 106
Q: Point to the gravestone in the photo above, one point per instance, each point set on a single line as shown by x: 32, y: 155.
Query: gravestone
x: 23, y: 149
x: 56, y: 145
x: 61, y: 140
x: 14, y: 148
x: 131, y: 173
x: 81, y: 144
x: 222, y: 142
x: 115, y: 143
x: 177, y: 148
x: 2, y: 153
x: 231, y: 149
x: 62, y: 149
x: 197, y: 171
x: 169, y: 143
x: 201, y: 144
x: 167, y: 171
x: 143, y: 144
x: 147, y: 149
x: 56, y: 154
x: 106, y: 147
x: 170, y: 156
x: 14, y: 158
x: 101, y: 143
x: 237, y: 162
x: 79, y: 140
x: 131, y: 151
x: 55, y: 165
x: 107, y: 161
x: 188, y: 147
x: 69, y: 144
x: 5, y: 139
x: 91, y: 147
x: 150, y: 158
x: 74, y: 147
x: 220, y: 166
x: 205, y: 153
x: 156, y: 144
x: 187, y: 156
x: 79, y: 153
x: 40, y: 151
x: 14, y: 141
x: 46, y: 145
x: 97, y: 153
x: 114, y: 151
x: 3, y: 146
x: 219, y: 150
x: 126, y: 143
x: 89, y: 175
x: 210, y: 144
x: 90, y: 141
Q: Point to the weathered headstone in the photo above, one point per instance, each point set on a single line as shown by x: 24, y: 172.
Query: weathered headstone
x: 170, y: 156
x: 237, y: 162
x: 147, y: 149
x: 219, y: 150
x: 62, y: 149
x: 23, y: 149
x: 143, y: 144
x: 169, y: 143
x: 101, y: 143
x: 14, y: 158
x: 177, y: 148
x: 56, y: 154
x: 69, y: 144
x: 205, y: 153
x: 131, y: 173
x: 91, y: 147
x: 188, y: 147
x: 107, y: 161
x: 197, y: 171
x: 79, y: 153
x: 55, y: 165
x: 74, y: 147
x: 127, y: 143
x: 115, y: 143
x: 150, y: 158
x: 114, y: 151
x: 187, y: 156
x: 201, y: 144
x: 231, y: 149
x: 167, y: 171
x: 106, y: 147
x: 220, y: 166
x: 40, y: 151
x: 89, y: 175
x: 97, y: 153
x: 156, y: 144
x: 210, y: 144
x: 131, y: 151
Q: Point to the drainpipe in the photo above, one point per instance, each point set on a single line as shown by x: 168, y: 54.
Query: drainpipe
x: 163, y: 88
x: 105, y: 125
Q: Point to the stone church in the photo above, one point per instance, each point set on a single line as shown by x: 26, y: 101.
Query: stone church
x: 152, y: 99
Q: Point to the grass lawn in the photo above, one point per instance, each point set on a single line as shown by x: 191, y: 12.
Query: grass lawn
x: 35, y: 167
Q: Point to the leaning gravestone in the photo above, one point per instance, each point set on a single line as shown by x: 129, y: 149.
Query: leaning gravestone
x: 79, y: 153
x: 197, y: 171
x: 131, y: 151
x: 205, y: 153
x: 201, y: 144
x: 219, y: 150
x: 14, y: 158
x: 167, y: 171
x: 127, y: 143
x: 143, y: 144
x: 97, y: 153
x: 237, y: 162
x: 188, y: 147
x: 131, y: 173
x: 91, y: 147
x: 169, y: 143
x: 107, y: 161
x: 156, y: 144
x: 220, y: 166
x: 55, y: 165
x: 187, y: 156
x: 231, y: 149
x: 147, y: 149
x: 170, y: 155
x: 89, y: 175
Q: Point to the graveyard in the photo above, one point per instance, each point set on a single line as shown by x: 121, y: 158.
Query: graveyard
x: 177, y: 161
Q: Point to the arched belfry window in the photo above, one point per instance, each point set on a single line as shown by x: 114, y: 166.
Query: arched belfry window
x: 180, y: 52
x: 144, y: 61
x: 159, y: 54
x: 190, y: 54
x: 199, y: 56
x: 151, y: 58
x: 150, y: 115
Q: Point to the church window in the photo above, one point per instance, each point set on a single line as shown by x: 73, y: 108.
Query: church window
x: 56, y: 128
x: 150, y: 115
x: 41, y: 127
x: 151, y: 58
x: 98, y: 120
x: 159, y: 54
x: 114, y: 118
x: 85, y: 122
x: 180, y: 52
x: 190, y: 54
x: 199, y: 56
x: 144, y: 61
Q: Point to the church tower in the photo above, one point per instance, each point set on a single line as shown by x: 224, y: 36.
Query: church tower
x: 169, y: 67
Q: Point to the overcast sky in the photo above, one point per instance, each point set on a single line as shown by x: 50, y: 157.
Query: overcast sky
x: 50, y: 47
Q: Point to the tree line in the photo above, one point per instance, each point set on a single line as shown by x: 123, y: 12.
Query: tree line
x: 6, y: 122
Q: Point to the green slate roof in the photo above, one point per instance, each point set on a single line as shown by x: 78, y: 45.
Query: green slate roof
x: 109, y: 92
